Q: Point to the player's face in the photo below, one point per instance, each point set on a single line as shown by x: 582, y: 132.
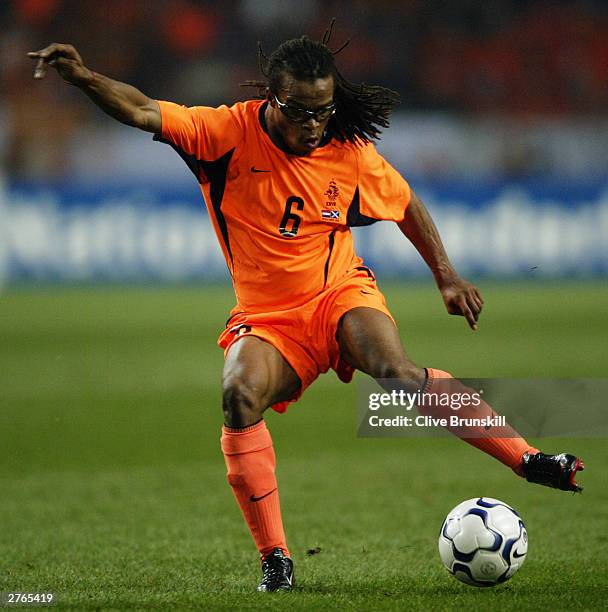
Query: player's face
x: 299, y: 112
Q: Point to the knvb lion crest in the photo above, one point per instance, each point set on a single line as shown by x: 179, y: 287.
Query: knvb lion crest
x: 331, y: 193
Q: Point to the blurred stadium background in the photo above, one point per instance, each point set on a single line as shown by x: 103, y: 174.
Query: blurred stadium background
x: 503, y: 130
x: 114, y: 291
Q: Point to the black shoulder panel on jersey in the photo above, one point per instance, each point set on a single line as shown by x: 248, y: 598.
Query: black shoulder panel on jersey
x: 354, y: 218
x: 190, y: 160
x: 215, y: 172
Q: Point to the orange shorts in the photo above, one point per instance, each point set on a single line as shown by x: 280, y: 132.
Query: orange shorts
x: 306, y: 336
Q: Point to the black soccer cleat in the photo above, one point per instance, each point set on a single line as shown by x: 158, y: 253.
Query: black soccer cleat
x: 277, y: 571
x: 557, y: 471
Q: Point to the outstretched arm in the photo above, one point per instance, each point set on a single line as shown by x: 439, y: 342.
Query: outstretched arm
x: 119, y: 100
x: 460, y: 296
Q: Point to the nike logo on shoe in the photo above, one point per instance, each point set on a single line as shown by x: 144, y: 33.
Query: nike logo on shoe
x: 253, y: 498
x: 254, y: 169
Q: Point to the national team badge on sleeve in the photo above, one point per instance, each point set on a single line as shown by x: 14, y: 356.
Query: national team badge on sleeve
x: 239, y: 330
x: 331, y: 215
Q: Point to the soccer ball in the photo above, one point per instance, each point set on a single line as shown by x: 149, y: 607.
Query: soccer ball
x: 483, y: 542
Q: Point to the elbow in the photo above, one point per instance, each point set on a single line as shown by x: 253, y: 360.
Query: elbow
x: 137, y: 119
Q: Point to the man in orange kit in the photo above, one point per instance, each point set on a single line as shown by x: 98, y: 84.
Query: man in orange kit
x: 284, y: 180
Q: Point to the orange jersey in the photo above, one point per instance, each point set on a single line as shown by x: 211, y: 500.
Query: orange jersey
x: 283, y: 221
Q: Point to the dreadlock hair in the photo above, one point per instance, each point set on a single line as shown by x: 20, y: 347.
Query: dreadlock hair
x: 361, y: 110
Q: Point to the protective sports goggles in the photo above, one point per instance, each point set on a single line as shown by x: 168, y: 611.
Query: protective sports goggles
x: 302, y: 115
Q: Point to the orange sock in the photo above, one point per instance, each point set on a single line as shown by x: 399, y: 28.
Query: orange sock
x: 504, y: 443
x: 251, y: 462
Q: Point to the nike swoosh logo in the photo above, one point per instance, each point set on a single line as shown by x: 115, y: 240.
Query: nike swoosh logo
x: 253, y: 498
x: 254, y: 169
x: 516, y: 555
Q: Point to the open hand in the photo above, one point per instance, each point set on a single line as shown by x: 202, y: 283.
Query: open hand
x: 65, y: 59
x: 462, y: 298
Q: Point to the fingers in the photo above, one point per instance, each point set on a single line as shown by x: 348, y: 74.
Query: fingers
x: 475, y: 301
x: 40, y: 69
x: 470, y: 313
x: 476, y: 296
x: 463, y: 298
x: 42, y: 63
x: 54, y: 49
x: 44, y: 58
x: 49, y: 55
x: 467, y: 305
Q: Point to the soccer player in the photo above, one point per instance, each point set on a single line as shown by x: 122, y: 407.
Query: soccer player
x: 284, y: 179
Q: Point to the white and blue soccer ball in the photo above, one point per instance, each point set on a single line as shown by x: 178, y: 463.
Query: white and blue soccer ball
x: 483, y: 542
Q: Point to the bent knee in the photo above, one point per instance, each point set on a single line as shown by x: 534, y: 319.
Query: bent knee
x: 242, y: 404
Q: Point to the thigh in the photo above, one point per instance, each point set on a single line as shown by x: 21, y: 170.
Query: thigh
x: 258, y: 369
x: 369, y: 341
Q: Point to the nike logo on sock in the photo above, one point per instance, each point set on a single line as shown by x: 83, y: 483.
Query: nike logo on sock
x: 253, y: 498
x: 254, y: 169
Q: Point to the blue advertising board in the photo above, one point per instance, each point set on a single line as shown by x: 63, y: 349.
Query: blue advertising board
x: 133, y: 233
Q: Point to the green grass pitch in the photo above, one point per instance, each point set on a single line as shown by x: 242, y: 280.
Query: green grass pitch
x: 112, y: 484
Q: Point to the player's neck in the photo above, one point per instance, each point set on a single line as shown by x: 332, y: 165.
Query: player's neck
x: 273, y: 132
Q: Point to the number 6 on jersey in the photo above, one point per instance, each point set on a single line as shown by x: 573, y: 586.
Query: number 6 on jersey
x: 289, y: 216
